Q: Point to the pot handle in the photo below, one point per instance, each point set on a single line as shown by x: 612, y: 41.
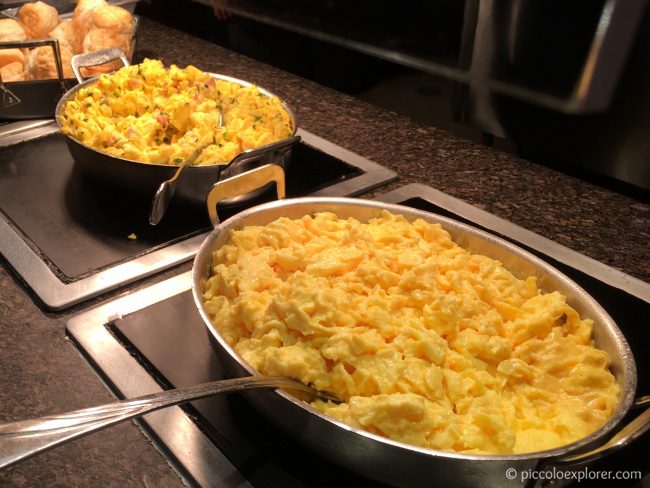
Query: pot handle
x: 276, y: 149
x: 96, y: 58
x: 244, y: 183
x: 633, y: 430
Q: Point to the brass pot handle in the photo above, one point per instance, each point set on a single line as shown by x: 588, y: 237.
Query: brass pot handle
x: 244, y: 183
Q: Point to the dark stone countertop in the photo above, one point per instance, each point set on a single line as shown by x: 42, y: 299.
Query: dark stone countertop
x: 42, y: 373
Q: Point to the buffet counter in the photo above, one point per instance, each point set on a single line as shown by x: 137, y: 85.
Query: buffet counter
x: 41, y: 372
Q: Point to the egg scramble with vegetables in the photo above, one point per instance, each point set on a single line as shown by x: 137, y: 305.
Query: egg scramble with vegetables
x: 424, y: 342
x: 150, y: 114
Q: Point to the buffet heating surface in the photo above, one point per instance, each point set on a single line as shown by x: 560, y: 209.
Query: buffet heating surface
x: 70, y: 239
x: 154, y: 339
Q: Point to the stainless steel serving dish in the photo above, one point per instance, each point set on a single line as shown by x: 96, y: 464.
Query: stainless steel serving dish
x: 393, y: 462
x: 145, y: 178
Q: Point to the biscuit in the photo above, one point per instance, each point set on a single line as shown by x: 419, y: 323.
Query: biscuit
x: 13, y: 72
x: 40, y: 64
x: 38, y: 19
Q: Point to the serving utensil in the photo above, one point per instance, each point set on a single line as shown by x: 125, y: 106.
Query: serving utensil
x: 25, y: 438
x: 163, y: 196
x: 165, y: 192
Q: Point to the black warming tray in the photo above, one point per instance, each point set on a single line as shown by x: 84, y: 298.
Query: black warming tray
x: 70, y: 239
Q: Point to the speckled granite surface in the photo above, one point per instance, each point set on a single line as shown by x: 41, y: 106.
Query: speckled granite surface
x: 41, y: 372
x: 604, y: 225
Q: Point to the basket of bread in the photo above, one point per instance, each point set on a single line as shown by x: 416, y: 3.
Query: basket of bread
x: 37, y: 45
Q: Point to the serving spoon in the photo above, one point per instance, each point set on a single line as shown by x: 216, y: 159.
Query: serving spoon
x: 25, y: 438
x: 165, y: 192
x: 163, y: 196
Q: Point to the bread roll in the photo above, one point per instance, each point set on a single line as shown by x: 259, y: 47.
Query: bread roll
x: 85, y: 6
x: 40, y: 64
x: 117, y: 19
x: 38, y: 19
x: 8, y: 56
x: 66, y: 36
x: 11, y: 30
x: 110, y: 26
x: 95, y: 25
x: 105, y: 38
x: 82, y: 17
x: 13, y: 72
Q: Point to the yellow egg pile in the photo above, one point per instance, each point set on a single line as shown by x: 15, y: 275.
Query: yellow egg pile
x: 424, y: 342
x: 150, y: 114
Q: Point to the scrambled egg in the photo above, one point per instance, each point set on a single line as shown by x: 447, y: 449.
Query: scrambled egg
x: 424, y: 342
x: 151, y: 114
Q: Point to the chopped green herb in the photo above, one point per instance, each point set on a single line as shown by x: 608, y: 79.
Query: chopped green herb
x: 178, y: 160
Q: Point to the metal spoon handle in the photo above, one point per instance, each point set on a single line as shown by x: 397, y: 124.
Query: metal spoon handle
x: 22, y: 439
x: 163, y: 196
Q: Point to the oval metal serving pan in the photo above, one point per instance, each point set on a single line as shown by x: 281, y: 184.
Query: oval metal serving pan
x: 381, y: 458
